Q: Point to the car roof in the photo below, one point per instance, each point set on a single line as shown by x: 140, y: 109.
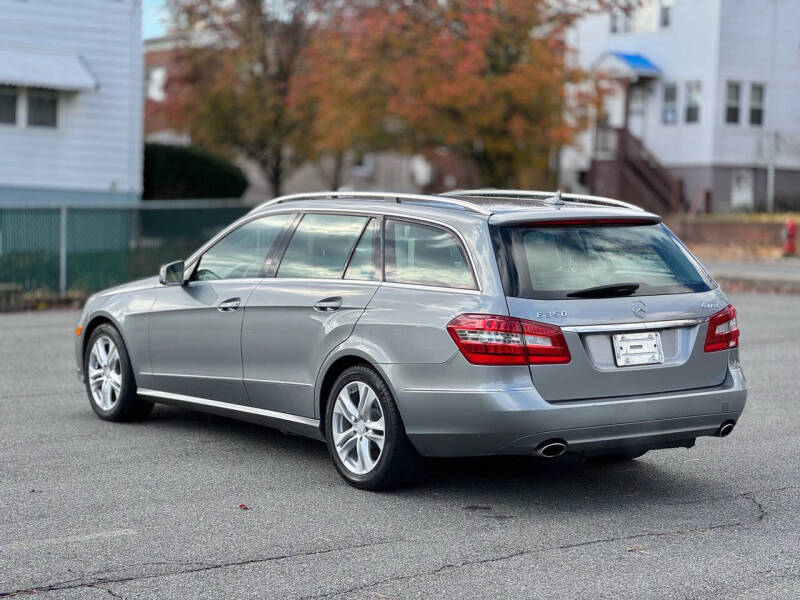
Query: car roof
x: 495, y: 206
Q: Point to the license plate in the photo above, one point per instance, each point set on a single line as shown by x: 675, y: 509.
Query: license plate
x: 640, y: 348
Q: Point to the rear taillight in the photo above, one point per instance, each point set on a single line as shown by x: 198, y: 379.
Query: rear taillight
x: 499, y: 340
x: 722, y: 330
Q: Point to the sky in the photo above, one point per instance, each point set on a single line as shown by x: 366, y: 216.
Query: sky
x: 153, y: 18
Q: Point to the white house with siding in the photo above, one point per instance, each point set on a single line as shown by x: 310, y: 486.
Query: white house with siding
x: 713, y: 93
x: 71, y: 101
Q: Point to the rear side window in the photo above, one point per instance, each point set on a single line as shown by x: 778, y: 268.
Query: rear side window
x: 425, y: 255
x: 363, y: 263
x: 321, y: 245
x: 242, y: 252
x: 552, y: 262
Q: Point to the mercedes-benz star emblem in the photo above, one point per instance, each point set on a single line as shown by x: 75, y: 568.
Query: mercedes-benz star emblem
x: 640, y: 309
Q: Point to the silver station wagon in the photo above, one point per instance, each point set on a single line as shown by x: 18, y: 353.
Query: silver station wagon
x: 394, y: 326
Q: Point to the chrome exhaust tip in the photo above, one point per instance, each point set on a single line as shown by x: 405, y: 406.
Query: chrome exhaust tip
x: 725, y: 429
x: 551, y: 448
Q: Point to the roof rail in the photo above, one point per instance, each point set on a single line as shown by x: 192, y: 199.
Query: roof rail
x: 398, y: 198
x: 556, y: 198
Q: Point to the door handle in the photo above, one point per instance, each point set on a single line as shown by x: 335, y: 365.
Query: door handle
x: 229, y: 305
x: 328, y: 304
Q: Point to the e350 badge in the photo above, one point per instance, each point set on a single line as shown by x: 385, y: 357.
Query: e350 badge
x: 555, y: 314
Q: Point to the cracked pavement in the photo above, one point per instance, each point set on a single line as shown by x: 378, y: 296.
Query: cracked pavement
x: 150, y: 510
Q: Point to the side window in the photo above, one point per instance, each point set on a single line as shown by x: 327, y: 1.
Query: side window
x: 42, y: 108
x: 8, y: 105
x: 242, y: 252
x: 425, y: 255
x: 320, y: 246
x: 363, y: 264
x: 692, y: 101
x: 757, y: 104
x: 669, y: 111
x: 732, y: 99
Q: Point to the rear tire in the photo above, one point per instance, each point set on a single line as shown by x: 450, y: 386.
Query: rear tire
x: 366, y: 457
x: 109, y: 379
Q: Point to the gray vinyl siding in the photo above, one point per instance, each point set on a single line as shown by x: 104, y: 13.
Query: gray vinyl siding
x: 97, y: 146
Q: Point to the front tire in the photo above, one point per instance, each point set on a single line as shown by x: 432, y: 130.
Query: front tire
x: 365, y: 434
x: 109, y: 379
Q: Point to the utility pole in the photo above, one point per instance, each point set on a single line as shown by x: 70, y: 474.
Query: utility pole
x: 772, y: 149
x: 771, y: 136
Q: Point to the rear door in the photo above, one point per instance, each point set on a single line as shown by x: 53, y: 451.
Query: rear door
x: 327, y: 276
x: 597, y: 279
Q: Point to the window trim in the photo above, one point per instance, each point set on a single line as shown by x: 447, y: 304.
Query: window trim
x: 459, y: 241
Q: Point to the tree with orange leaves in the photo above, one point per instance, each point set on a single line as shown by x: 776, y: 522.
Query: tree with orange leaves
x: 281, y: 81
x: 486, y: 79
x: 229, y: 83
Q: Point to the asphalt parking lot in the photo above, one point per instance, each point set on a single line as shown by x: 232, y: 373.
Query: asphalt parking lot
x: 150, y: 510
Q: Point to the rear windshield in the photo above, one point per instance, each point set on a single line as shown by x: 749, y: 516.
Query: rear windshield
x: 546, y: 262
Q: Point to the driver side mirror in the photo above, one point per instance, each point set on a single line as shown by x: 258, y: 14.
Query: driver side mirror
x: 171, y: 273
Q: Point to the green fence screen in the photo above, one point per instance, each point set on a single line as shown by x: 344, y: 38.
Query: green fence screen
x: 85, y: 249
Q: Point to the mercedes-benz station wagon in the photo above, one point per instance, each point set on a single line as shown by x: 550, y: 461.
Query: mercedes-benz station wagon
x: 394, y: 326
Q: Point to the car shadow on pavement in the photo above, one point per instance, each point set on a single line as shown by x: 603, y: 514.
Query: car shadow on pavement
x: 512, y: 481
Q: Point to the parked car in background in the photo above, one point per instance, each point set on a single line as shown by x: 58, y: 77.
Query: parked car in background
x: 392, y: 326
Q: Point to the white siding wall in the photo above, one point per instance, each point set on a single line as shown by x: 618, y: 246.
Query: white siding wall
x: 685, y: 51
x: 759, y: 44
x: 97, y: 146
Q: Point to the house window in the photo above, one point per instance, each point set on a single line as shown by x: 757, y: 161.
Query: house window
x: 42, y: 108
x: 692, y: 101
x: 732, y: 102
x: 669, y: 111
x: 8, y: 105
x: 665, y: 13
x: 757, y: 104
x: 156, y: 83
x: 620, y: 18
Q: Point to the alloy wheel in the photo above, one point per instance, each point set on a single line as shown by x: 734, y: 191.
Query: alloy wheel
x: 105, y: 373
x: 358, y: 427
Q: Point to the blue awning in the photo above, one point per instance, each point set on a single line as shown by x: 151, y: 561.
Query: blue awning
x: 628, y: 65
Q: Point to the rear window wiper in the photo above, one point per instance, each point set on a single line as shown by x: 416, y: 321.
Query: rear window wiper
x: 605, y: 291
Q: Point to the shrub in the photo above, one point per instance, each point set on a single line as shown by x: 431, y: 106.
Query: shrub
x: 179, y: 172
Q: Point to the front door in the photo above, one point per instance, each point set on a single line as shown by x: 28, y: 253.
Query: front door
x: 324, y: 282
x: 195, y: 330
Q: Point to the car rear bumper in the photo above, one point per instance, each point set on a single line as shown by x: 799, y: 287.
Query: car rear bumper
x: 517, y: 420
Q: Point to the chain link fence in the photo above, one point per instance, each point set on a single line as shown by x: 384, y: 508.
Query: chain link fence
x: 77, y: 250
